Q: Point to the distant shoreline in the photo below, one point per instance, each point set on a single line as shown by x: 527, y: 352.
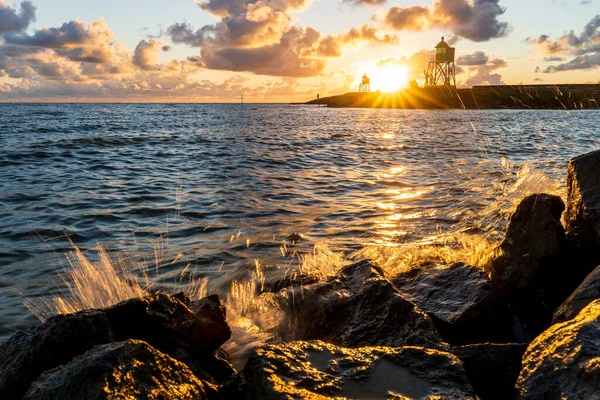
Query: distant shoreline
x: 538, y: 97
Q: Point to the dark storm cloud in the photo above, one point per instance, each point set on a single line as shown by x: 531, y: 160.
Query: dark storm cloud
x: 476, y: 58
x: 477, y: 21
x: 13, y: 22
x: 70, y: 33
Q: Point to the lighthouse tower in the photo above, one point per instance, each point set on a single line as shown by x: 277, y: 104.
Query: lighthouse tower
x: 441, y: 70
x: 365, y: 84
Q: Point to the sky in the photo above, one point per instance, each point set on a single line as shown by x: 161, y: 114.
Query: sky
x: 283, y: 50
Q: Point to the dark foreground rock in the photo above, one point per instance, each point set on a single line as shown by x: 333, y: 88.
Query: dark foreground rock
x: 357, y: 308
x: 319, y: 370
x: 461, y: 300
x: 588, y: 291
x: 583, y: 200
x: 529, y: 269
x: 162, y: 320
x: 492, y: 369
x: 563, y: 362
x: 125, y: 370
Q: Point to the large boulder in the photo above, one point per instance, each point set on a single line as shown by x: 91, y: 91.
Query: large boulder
x: 564, y: 361
x: 529, y: 269
x: 461, y: 300
x: 125, y: 370
x: 164, y: 321
x: 357, y: 308
x: 318, y: 370
x: 492, y: 369
x: 588, y: 291
x: 583, y: 199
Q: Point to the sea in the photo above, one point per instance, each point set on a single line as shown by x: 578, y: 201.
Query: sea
x: 182, y: 192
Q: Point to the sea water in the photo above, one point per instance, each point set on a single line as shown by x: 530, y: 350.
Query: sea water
x: 182, y: 192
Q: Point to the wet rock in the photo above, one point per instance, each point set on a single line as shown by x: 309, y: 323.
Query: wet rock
x: 27, y: 354
x: 588, y: 291
x: 461, y: 300
x: 321, y: 370
x: 563, y: 362
x: 492, y: 369
x: 356, y: 308
x: 583, y: 199
x: 130, y: 369
x: 159, y: 319
x: 529, y: 269
x: 275, y: 285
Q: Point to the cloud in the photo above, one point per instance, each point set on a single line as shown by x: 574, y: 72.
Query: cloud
x: 476, y: 58
x: 259, y: 37
x: 331, y: 46
x: 487, y: 74
x: 586, y: 61
x: 145, y: 55
x: 584, y: 47
x: 229, y: 8
x: 477, y: 21
x: 554, y: 58
x: 13, y: 22
x: 368, y: 3
x: 280, y: 59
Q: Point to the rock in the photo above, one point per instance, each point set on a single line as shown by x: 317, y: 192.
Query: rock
x: 529, y: 268
x: 27, y: 354
x: 159, y: 319
x: 318, y: 370
x: 461, y: 300
x: 275, y: 285
x: 357, y: 308
x: 492, y: 369
x: 130, y: 369
x: 583, y: 199
x: 563, y: 362
x: 588, y: 291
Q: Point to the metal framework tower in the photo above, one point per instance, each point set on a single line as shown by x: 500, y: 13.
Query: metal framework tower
x: 365, y: 85
x: 441, y: 70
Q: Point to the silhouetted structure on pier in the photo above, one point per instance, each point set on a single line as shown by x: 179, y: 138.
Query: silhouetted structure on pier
x: 441, y: 70
x: 365, y: 85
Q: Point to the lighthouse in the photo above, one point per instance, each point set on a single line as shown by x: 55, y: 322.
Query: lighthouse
x: 441, y: 70
x: 365, y: 85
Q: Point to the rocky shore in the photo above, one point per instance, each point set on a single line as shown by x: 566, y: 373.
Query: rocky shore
x: 527, y: 327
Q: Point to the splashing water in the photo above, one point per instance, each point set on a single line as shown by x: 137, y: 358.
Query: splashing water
x: 255, y: 319
x: 92, y: 285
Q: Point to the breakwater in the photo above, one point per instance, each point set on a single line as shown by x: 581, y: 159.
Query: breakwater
x: 559, y: 97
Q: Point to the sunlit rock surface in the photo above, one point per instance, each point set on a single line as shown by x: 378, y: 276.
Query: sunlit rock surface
x: 588, y: 291
x: 583, y: 201
x: 162, y: 320
x: 125, y: 370
x: 492, y: 369
x: 356, y: 308
x: 317, y: 370
x: 461, y: 300
x: 564, y: 361
x: 529, y: 270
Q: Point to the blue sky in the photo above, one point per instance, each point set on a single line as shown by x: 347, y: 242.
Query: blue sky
x: 224, y: 63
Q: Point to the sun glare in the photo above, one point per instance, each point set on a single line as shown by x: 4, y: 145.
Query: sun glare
x: 390, y: 78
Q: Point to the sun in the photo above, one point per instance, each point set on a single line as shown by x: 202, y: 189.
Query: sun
x: 389, y: 78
